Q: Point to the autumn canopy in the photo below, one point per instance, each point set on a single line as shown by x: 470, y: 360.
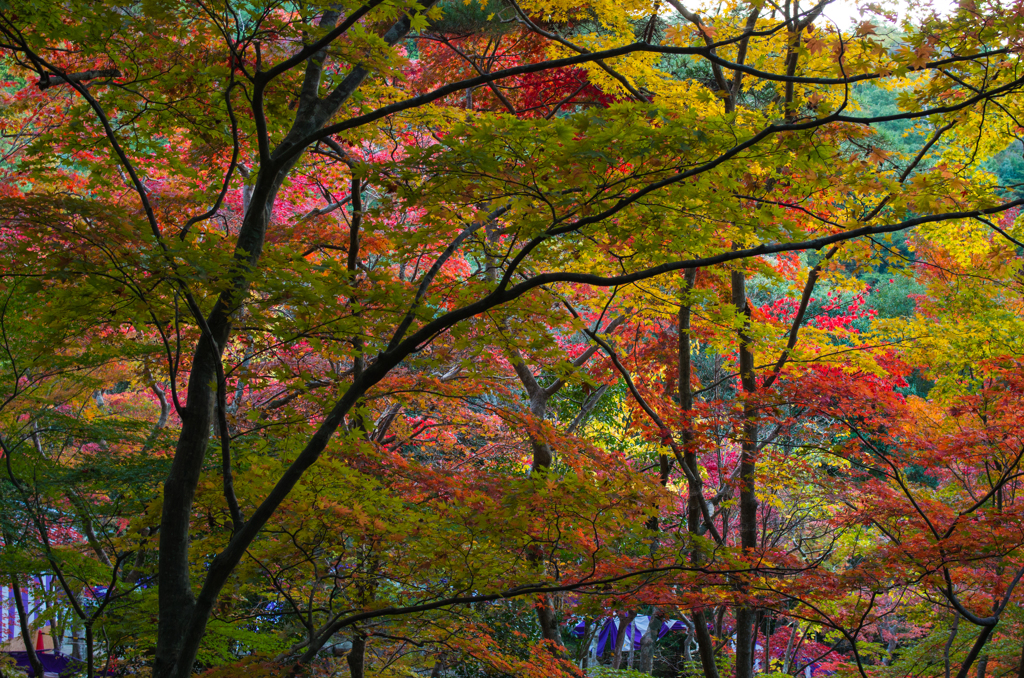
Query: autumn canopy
x: 534, y: 338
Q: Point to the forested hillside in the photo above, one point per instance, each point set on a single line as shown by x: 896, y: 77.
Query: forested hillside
x: 527, y: 338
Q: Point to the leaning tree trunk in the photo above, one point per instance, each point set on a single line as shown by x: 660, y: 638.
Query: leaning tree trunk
x: 183, y: 615
x: 26, y: 632
x: 620, y: 638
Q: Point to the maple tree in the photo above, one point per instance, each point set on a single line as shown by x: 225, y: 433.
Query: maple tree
x: 395, y: 336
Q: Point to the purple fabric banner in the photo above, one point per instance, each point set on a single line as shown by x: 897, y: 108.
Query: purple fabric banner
x: 607, y: 637
x: 634, y: 634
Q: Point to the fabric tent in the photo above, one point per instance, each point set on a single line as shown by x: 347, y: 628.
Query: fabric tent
x: 31, y: 602
x: 605, y: 639
x: 54, y: 663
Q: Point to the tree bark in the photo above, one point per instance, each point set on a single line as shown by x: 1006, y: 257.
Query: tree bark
x: 357, y: 657
x: 745, y: 615
x: 620, y: 638
x: 183, y: 616
x: 705, y: 645
x: 543, y: 457
x: 693, y: 512
x: 786, y: 657
x: 647, y: 644
x: 548, y: 621
x: 979, y: 643
x: 26, y: 632
x: 583, y: 656
x: 949, y: 642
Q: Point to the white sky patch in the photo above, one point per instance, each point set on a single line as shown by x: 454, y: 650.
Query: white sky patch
x: 848, y: 13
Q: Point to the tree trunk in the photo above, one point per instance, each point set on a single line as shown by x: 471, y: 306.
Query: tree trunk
x: 26, y: 632
x: 548, y: 621
x: 90, y: 651
x: 648, y: 643
x: 705, y: 645
x: 620, y: 638
x: 177, y: 603
x: 583, y: 655
x: 693, y: 512
x: 745, y: 615
x: 183, y: 616
x: 786, y: 657
x: 687, y: 669
x: 979, y: 643
x: 357, y: 657
x: 543, y: 458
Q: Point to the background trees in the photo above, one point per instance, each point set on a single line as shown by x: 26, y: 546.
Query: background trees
x: 411, y: 333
